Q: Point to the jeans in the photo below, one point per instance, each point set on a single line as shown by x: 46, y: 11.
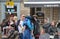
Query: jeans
x: 27, y: 34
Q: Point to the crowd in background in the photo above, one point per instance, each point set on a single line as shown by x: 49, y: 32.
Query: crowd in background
x: 28, y: 27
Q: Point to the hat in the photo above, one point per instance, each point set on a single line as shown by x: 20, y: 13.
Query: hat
x: 34, y: 15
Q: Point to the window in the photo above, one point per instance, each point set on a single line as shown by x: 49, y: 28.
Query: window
x: 38, y: 9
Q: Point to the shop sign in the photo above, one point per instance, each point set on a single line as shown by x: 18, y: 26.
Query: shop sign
x: 51, y: 5
x: 10, y: 4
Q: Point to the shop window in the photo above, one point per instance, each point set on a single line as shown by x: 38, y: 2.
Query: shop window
x: 38, y: 9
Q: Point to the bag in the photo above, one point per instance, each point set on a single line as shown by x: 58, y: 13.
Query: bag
x: 29, y: 23
x: 29, y: 17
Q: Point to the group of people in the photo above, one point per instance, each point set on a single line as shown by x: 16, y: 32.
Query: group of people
x: 24, y: 26
x: 50, y: 30
x: 28, y: 26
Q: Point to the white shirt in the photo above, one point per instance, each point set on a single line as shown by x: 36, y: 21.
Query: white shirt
x: 20, y: 27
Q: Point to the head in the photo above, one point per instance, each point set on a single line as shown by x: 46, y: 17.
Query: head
x: 53, y: 23
x: 45, y: 20
x: 11, y: 17
x: 35, y: 16
x: 15, y: 18
x: 22, y: 17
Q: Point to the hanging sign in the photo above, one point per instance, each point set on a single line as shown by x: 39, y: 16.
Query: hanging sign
x: 10, y: 4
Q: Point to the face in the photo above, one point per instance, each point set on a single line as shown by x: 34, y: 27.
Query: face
x: 15, y: 18
x: 11, y: 18
x: 22, y: 17
x: 52, y: 23
x: 45, y: 20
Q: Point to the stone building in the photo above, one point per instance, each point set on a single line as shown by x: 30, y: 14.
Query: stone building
x: 19, y: 9
x: 50, y: 8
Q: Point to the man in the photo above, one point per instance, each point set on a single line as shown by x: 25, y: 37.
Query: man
x: 53, y: 30
x: 28, y: 29
x: 46, y: 25
x: 36, y: 27
x: 20, y: 25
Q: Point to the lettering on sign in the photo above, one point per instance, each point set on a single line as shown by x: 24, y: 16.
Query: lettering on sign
x: 51, y: 5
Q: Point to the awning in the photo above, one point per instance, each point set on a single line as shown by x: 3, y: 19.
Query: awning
x: 42, y: 4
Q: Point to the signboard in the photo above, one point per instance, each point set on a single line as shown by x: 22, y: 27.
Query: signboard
x: 10, y: 4
x: 51, y: 5
x: 42, y: 5
x: 40, y: 14
x: 11, y: 9
x: 39, y: 0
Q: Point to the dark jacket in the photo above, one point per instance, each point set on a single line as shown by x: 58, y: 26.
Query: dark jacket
x: 58, y: 25
x: 17, y: 24
x: 36, y: 27
x: 52, y: 30
x: 46, y: 27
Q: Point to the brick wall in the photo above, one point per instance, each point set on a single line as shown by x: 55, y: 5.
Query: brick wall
x: 46, y: 12
x: 54, y: 13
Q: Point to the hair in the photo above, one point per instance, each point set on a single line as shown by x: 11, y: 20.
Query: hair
x: 46, y: 18
x: 54, y: 21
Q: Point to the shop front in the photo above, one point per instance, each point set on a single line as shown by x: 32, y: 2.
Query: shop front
x: 50, y: 8
x: 8, y: 7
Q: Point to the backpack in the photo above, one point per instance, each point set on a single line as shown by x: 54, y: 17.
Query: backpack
x: 29, y: 22
x: 29, y: 17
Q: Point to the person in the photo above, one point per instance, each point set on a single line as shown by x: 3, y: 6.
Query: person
x: 44, y: 35
x: 28, y: 29
x: 3, y: 25
x: 46, y: 25
x: 53, y: 30
x: 36, y: 30
x: 20, y: 24
x: 15, y: 22
x: 11, y: 22
x: 58, y: 24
